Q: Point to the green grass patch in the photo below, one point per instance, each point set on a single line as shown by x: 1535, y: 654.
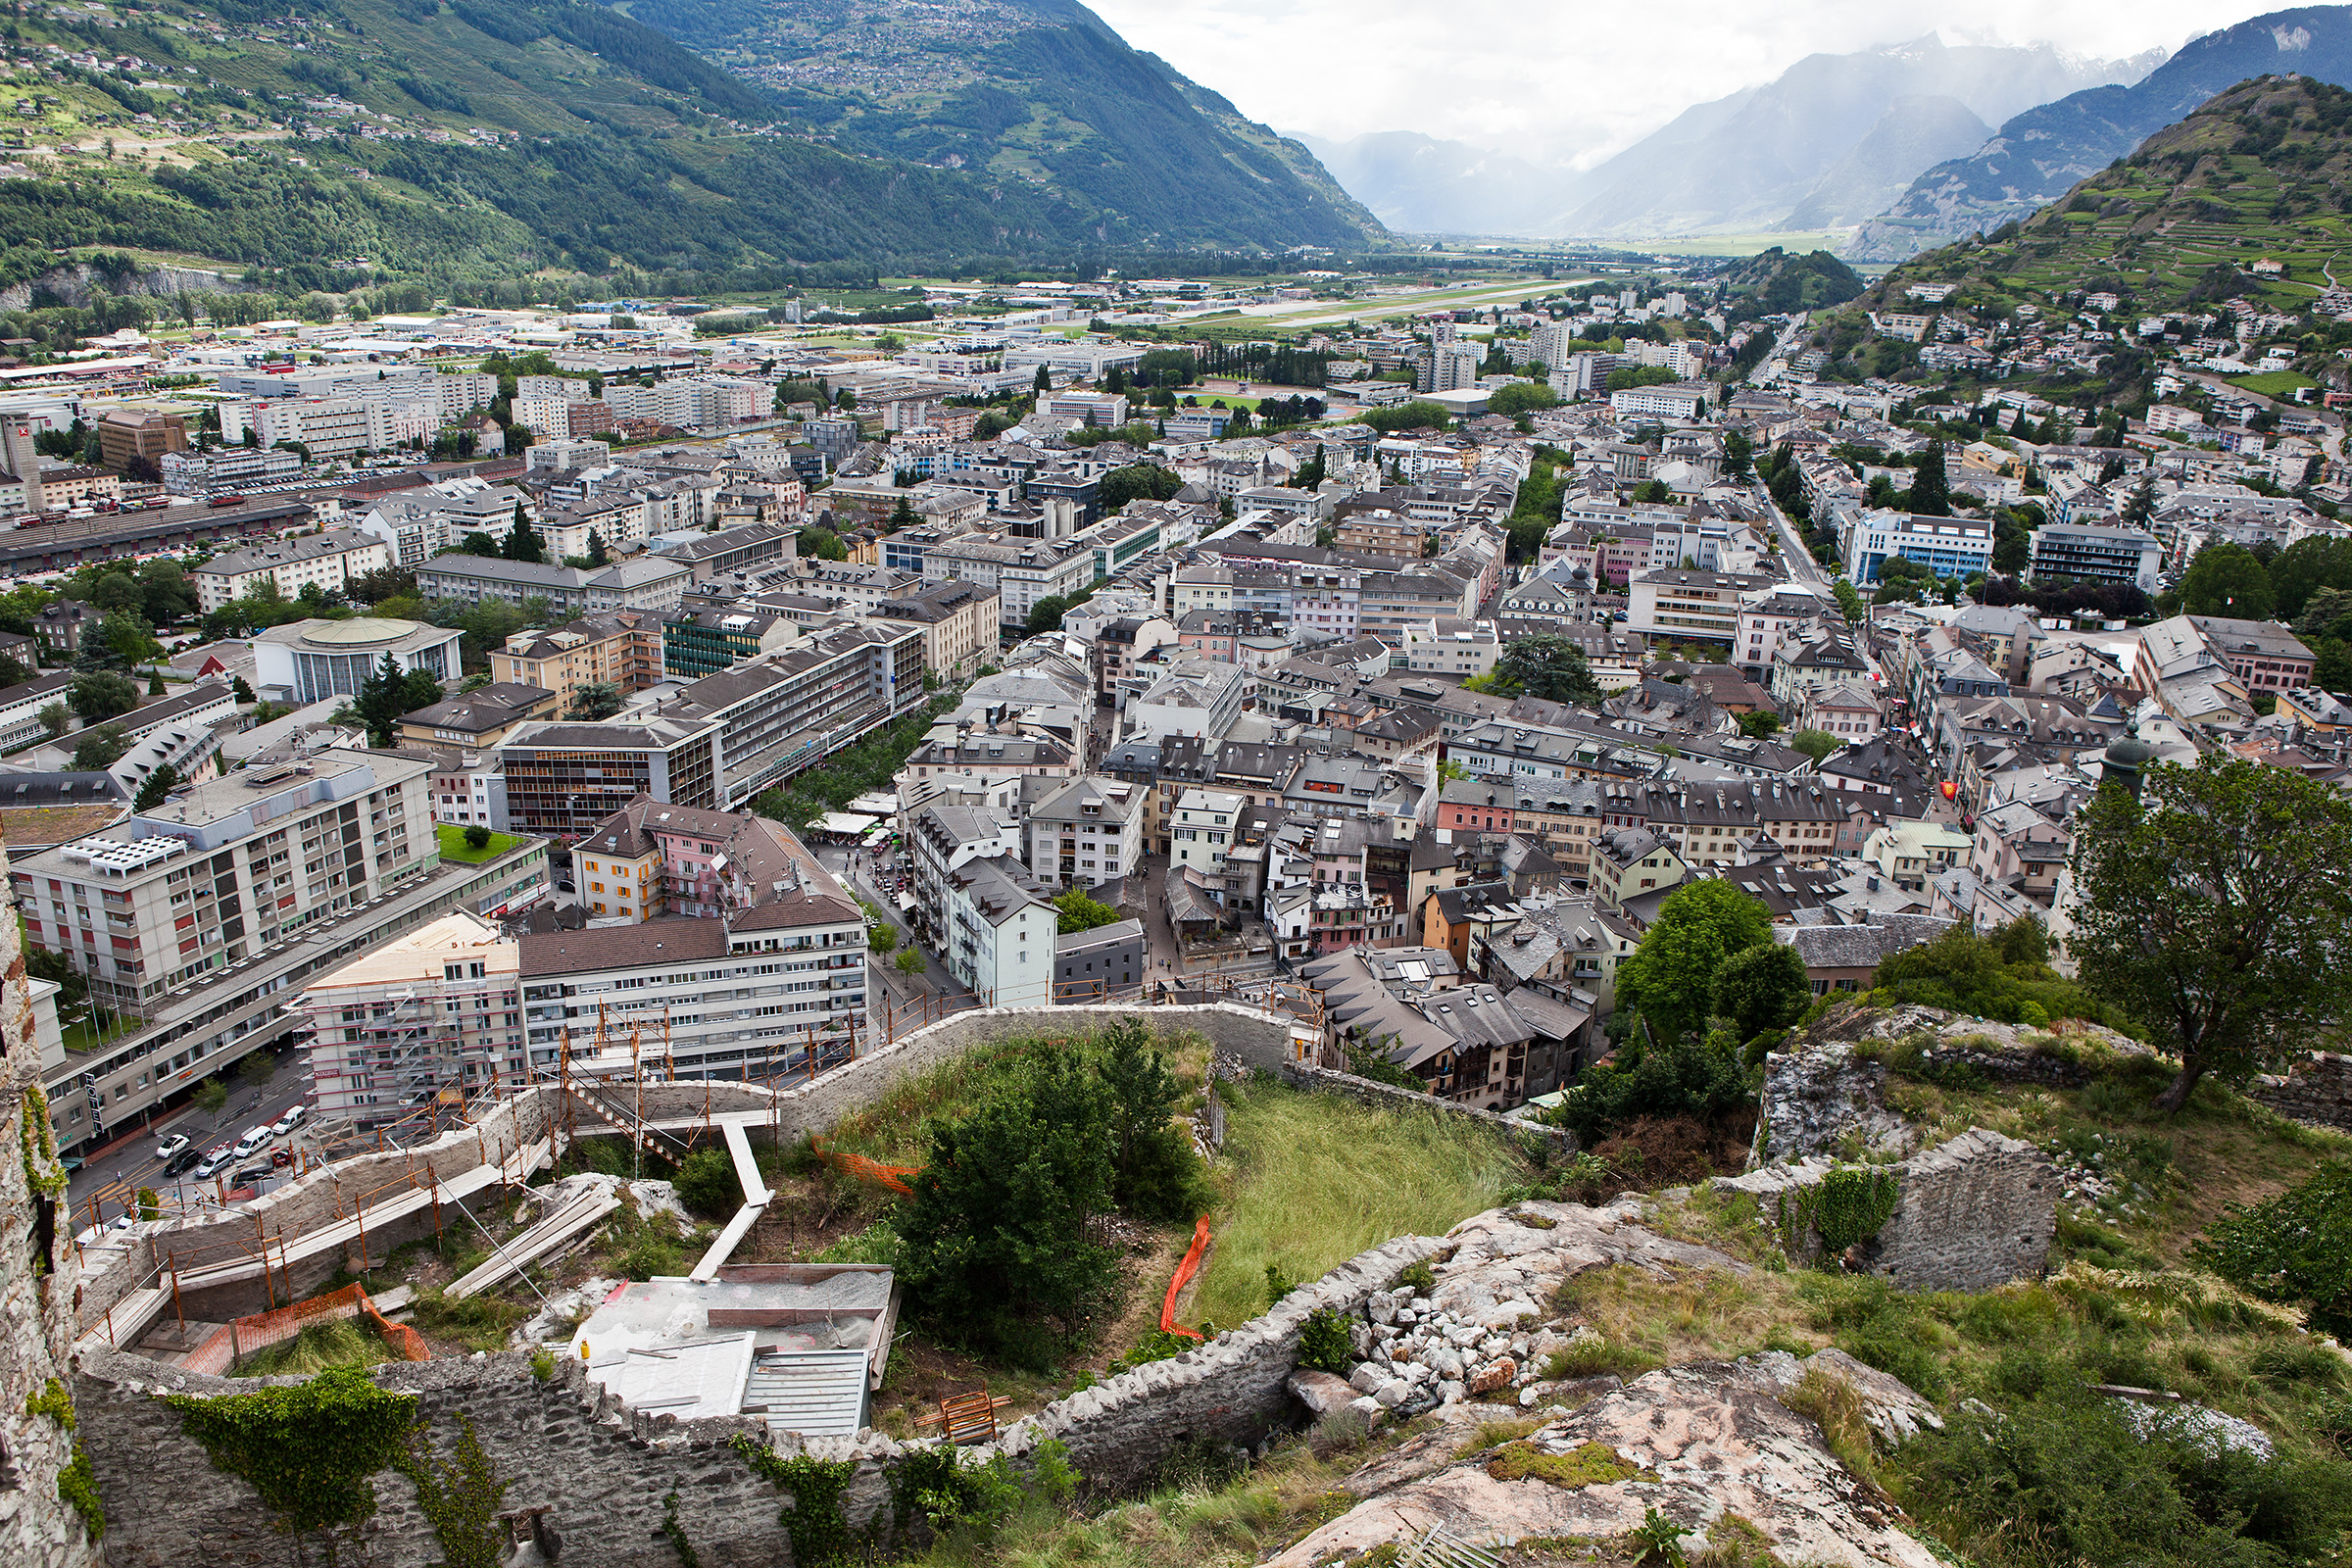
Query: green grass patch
x: 2271, y: 383
x: 339, y: 1342
x: 455, y: 848
x: 1308, y: 1181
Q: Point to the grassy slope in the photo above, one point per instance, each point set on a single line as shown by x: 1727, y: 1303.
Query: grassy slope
x: 2251, y: 174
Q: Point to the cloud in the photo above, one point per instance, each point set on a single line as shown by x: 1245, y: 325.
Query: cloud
x: 1574, y: 83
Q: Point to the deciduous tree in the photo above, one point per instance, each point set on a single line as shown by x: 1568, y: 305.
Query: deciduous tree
x: 1670, y: 979
x: 2213, y: 908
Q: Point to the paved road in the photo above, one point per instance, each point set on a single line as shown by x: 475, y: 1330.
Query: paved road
x: 134, y: 1161
x: 1802, y: 564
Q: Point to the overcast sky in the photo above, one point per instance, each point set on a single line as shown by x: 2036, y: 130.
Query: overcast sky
x: 1576, y: 82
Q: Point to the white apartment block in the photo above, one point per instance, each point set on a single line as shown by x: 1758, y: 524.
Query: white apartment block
x: 327, y: 561
x: 1202, y: 830
x: 1085, y: 833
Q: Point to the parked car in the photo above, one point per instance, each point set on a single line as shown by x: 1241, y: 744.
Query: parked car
x: 182, y: 1160
x: 290, y: 1122
x: 213, y: 1161
x: 172, y: 1146
x: 255, y: 1138
x: 249, y: 1176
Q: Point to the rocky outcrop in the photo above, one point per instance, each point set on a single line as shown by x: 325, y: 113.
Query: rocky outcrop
x: 1697, y: 1443
x: 1824, y: 1100
x: 2316, y: 1089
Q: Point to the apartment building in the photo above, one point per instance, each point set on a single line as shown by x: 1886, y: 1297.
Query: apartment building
x: 622, y: 648
x: 1202, y: 830
x: 959, y: 624
x: 327, y: 561
x: 227, y: 869
x: 1086, y: 832
x: 1684, y: 604
x: 2117, y: 553
x: 1022, y: 571
x: 139, y: 435
x: 646, y: 582
x: 746, y: 995
x: 2262, y: 653
x: 20, y: 707
x: 998, y: 933
x: 437, y: 1011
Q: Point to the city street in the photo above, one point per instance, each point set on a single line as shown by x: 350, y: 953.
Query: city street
x: 889, y: 985
x: 133, y: 1160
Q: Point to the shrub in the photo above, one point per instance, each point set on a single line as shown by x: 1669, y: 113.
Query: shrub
x: 1157, y: 1345
x: 2295, y: 1248
x: 707, y: 1185
x: 1323, y: 1342
x: 1681, y: 1079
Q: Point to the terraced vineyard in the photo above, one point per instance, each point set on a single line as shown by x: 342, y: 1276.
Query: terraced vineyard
x: 2259, y: 175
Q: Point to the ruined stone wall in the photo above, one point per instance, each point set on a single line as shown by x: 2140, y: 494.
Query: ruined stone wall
x: 604, y: 1472
x: 2317, y: 1089
x: 1326, y: 1081
x: 37, y: 1530
x: 1971, y: 1213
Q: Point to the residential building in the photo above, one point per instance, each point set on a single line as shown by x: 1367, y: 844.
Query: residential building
x: 327, y: 561
x: 1098, y: 964
x: 1685, y: 605
x: 1910, y: 854
x: 481, y: 717
x: 311, y: 661
x: 1000, y: 933
x: 227, y: 869
x: 1085, y: 832
x: 436, y: 1011
x: 20, y: 707
x: 960, y: 624
x: 1459, y: 650
x: 560, y: 779
x: 2096, y: 551
x: 2262, y: 653
x: 645, y: 582
x: 1200, y: 831
x: 57, y: 628
x: 621, y: 649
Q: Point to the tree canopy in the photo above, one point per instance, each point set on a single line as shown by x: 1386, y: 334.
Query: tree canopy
x: 2227, y: 580
x: 2213, y: 908
x: 1670, y: 979
x: 1549, y: 666
x: 1080, y: 912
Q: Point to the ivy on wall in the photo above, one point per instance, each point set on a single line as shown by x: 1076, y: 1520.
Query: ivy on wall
x: 77, y: 1485
x: 1848, y: 1206
x: 820, y: 1535
x: 309, y: 1448
x: 459, y: 1496
x: 43, y: 1172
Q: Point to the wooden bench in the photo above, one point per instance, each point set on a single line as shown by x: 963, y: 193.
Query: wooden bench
x: 967, y: 1418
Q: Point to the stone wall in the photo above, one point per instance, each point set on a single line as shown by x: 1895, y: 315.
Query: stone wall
x: 604, y: 1472
x: 1973, y: 1213
x: 1326, y: 1081
x: 2317, y: 1089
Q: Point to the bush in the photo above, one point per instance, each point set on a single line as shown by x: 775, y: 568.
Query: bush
x: 477, y: 838
x: 2065, y: 1479
x: 706, y: 1184
x: 1681, y: 1079
x: 2295, y: 1248
x: 1323, y: 1342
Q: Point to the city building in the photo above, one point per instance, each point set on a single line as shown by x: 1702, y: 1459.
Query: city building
x: 327, y: 560
x: 1099, y: 963
x: 436, y: 1012
x: 644, y: 582
x: 704, y: 642
x: 147, y: 436
x: 960, y: 624
x: 2096, y: 551
x: 311, y: 661
x: 998, y: 933
x: 1949, y: 547
x: 481, y: 717
x: 620, y: 648
x: 1086, y: 832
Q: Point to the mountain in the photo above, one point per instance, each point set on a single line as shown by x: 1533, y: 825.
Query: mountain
x: 1042, y: 92
x: 1914, y: 133
x: 2252, y: 174
x: 1745, y: 163
x: 1420, y: 184
x: 2037, y: 154
x: 488, y: 140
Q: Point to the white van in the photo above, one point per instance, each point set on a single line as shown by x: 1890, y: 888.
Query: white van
x: 288, y: 1122
x: 255, y: 1138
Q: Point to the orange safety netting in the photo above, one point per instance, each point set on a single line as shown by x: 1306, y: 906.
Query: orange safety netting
x: 1184, y: 1272
x: 892, y: 1177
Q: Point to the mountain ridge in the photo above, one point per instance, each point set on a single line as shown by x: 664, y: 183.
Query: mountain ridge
x: 2039, y: 153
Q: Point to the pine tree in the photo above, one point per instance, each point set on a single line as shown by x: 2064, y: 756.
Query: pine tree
x: 1931, y: 493
x: 522, y: 543
x: 595, y: 548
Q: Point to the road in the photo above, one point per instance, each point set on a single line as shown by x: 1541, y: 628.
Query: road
x: 134, y: 1162
x: 888, y: 983
x: 1801, y: 565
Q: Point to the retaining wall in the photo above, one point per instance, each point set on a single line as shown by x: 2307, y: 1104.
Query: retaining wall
x: 604, y: 1472
x: 1325, y: 1080
x: 1969, y: 1214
